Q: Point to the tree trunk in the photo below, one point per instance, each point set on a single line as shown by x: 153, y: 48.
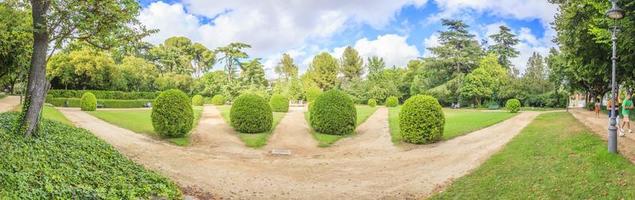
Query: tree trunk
x: 37, y: 86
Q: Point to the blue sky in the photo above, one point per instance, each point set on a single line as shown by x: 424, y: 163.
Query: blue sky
x: 398, y: 30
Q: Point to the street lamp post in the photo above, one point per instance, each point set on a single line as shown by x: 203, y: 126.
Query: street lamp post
x: 614, y: 13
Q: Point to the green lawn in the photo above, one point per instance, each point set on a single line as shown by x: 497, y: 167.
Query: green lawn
x: 457, y: 122
x: 555, y: 157
x: 49, y: 112
x: 255, y: 140
x: 326, y: 140
x: 140, y: 121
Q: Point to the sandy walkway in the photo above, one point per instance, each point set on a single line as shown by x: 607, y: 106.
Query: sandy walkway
x: 345, y: 171
x: 9, y: 103
x: 293, y: 133
x: 600, y: 126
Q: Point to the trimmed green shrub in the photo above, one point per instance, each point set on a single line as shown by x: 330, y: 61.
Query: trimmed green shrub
x: 102, y: 94
x: 312, y: 93
x: 421, y: 120
x: 513, y: 105
x: 251, y: 113
x: 88, y: 102
x: 172, y: 114
x: 333, y: 113
x: 105, y: 103
x: 197, y: 100
x: 279, y: 103
x: 71, y: 163
x: 372, y: 102
x: 392, y: 101
x: 218, y: 100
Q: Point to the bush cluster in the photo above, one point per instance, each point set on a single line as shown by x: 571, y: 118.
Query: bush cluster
x: 421, y: 120
x: 218, y: 100
x: 88, y: 102
x: 102, y: 94
x: 333, y: 113
x: 392, y: 101
x: 513, y: 105
x: 372, y: 102
x: 172, y: 114
x: 105, y: 103
x: 197, y: 100
x: 279, y: 103
x: 98, y: 171
x: 251, y: 113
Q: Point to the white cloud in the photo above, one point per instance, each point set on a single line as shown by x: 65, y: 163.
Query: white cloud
x: 517, y: 9
x: 171, y: 20
x: 430, y: 42
x: 393, y: 48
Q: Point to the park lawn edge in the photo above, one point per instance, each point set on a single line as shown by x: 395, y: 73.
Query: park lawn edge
x: 253, y: 140
x: 326, y: 140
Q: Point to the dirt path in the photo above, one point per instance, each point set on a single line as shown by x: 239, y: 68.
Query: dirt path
x: 9, y: 103
x: 345, y: 171
x: 600, y: 126
x: 293, y: 133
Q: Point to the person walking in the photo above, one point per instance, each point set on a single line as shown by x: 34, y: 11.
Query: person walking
x: 627, y: 106
x: 597, y: 108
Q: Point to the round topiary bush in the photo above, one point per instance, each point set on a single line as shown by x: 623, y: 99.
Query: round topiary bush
x: 279, y: 103
x: 251, y: 113
x: 392, y: 101
x: 372, y: 102
x: 421, y: 120
x: 513, y: 105
x: 88, y: 102
x: 333, y: 113
x: 218, y: 100
x: 197, y: 100
x: 172, y: 114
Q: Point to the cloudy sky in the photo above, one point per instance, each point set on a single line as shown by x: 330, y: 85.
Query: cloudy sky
x: 397, y: 30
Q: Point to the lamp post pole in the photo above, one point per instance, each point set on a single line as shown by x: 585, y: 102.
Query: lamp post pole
x: 615, y: 13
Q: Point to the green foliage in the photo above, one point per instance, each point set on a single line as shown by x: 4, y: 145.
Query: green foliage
x: 513, y: 105
x: 286, y: 68
x: 312, y: 93
x: 484, y: 81
x: 102, y: 94
x: 172, y: 114
x: 211, y: 84
x: 84, y: 68
x: 169, y: 81
x: 253, y: 74
x: 197, y: 100
x: 251, y: 113
x: 352, y: 64
x: 88, y: 102
x: 392, y: 101
x: 232, y: 54
x: 323, y: 70
x: 504, y: 42
x: 421, y: 120
x: 138, y: 74
x: 40, y: 167
x: 105, y: 103
x: 333, y: 113
x: 16, y: 45
x: 218, y: 100
x: 180, y: 55
x: 372, y: 102
x: 279, y: 103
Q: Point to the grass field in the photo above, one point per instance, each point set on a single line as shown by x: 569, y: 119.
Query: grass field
x: 140, y: 121
x: 326, y: 140
x: 50, y: 113
x: 555, y: 157
x: 457, y: 122
x: 255, y: 140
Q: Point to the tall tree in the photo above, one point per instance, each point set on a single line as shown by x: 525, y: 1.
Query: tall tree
x: 286, y: 69
x: 352, y: 64
x: 323, y: 70
x: 375, y: 66
x: 253, y: 73
x: 203, y: 59
x: 15, y: 45
x: 103, y: 24
x: 504, y: 42
x: 485, y: 81
x: 232, y: 54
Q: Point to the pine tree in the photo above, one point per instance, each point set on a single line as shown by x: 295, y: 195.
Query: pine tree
x: 505, y: 41
x: 352, y: 64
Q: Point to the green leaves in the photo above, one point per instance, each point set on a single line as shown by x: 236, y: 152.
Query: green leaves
x: 88, y: 102
x: 333, y: 113
x: 251, y: 113
x: 172, y: 114
x: 513, y: 105
x: 421, y: 120
x: 279, y: 103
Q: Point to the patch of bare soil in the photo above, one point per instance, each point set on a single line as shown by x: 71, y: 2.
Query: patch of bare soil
x: 9, y: 103
x: 365, y: 166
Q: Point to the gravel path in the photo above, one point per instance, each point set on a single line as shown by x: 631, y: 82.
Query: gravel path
x: 9, y: 103
x: 366, y: 166
x: 600, y: 126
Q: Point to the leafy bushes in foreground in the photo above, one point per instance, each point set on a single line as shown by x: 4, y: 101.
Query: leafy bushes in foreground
x: 421, y: 120
x: 279, y: 103
x: 103, y: 94
x: 64, y: 162
x: 197, y: 100
x: 513, y: 105
x: 172, y: 114
x: 251, y: 113
x: 88, y: 102
x: 105, y: 103
x: 372, y: 102
x: 392, y: 101
x: 218, y: 100
x: 333, y: 113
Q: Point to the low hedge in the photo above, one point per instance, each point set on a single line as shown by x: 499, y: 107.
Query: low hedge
x: 197, y: 100
x: 421, y: 120
x: 513, y: 105
x: 392, y: 101
x: 65, y: 162
x: 218, y: 100
x: 88, y: 102
x: 103, y: 94
x: 102, y: 103
x: 279, y: 103
x: 372, y: 102
x: 251, y: 113
x: 333, y: 113
x: 172, y: 114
